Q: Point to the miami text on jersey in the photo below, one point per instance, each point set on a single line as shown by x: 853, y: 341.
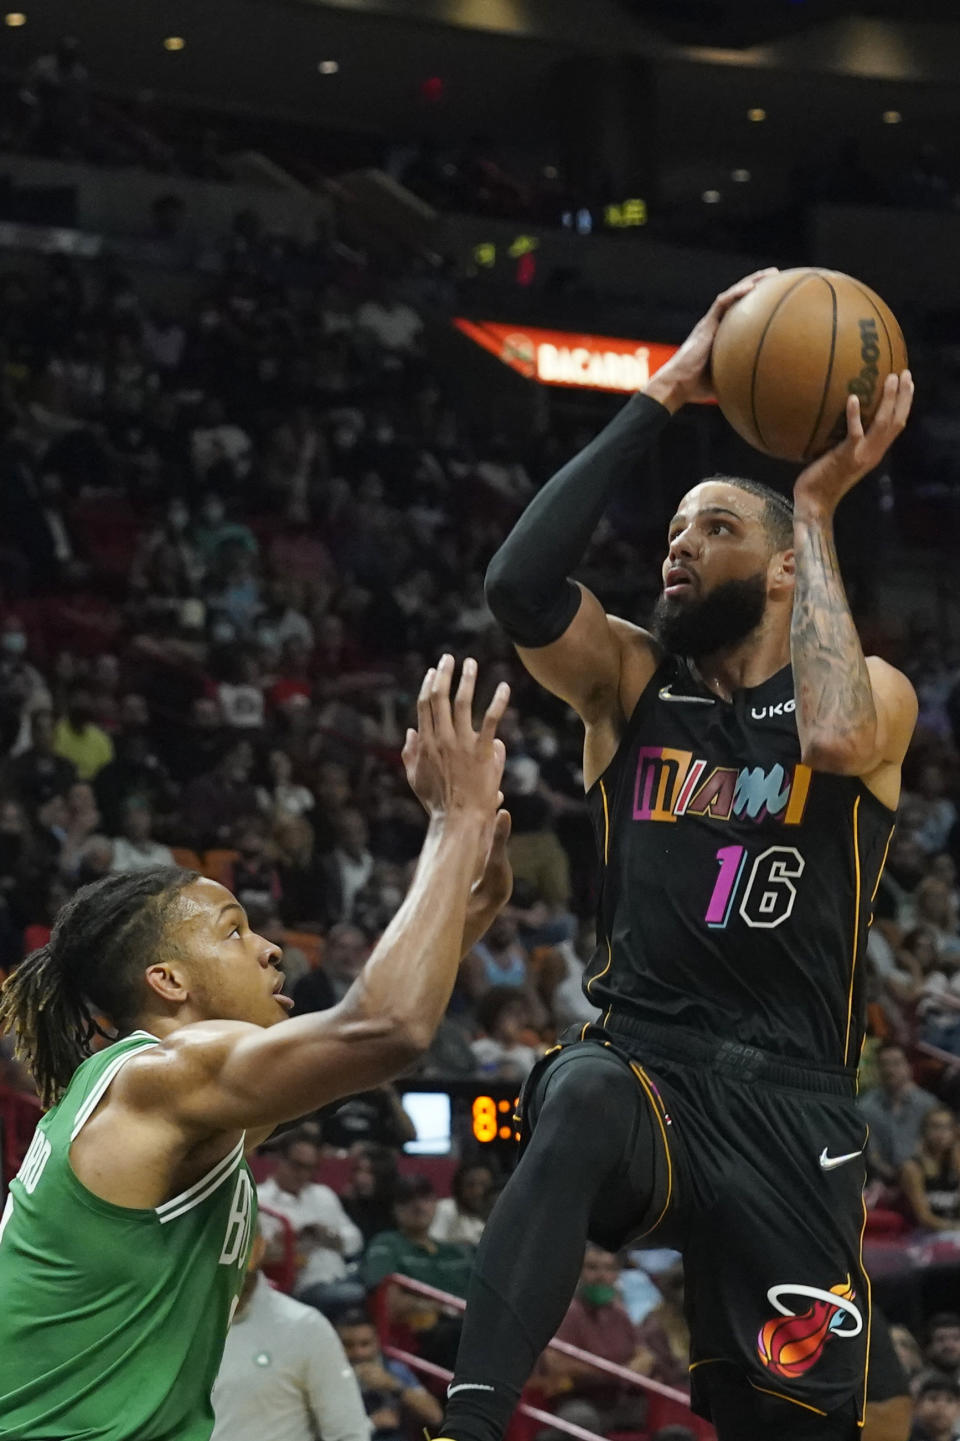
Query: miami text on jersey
x: 672, y: 783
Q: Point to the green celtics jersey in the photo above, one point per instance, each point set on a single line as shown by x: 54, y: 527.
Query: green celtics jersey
x: 113, y: 1320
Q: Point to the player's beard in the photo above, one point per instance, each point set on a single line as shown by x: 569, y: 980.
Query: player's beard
x: 715, y: 622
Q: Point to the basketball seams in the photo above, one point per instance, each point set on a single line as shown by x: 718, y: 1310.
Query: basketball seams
x: 801, y: 280
x: 782, y: 371
x: 828, y: 377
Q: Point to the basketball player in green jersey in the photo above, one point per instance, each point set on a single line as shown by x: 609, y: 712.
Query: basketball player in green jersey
x: 124, y: 1240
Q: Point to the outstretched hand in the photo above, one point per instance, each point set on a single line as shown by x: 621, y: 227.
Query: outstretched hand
x: 824, y: 483
x: 686, y: 375
x: 450, y: 766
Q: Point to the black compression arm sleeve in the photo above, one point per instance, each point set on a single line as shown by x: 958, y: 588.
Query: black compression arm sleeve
x: 527, y: 585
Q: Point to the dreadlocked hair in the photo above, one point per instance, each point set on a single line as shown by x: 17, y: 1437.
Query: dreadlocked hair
x: 104, y: 938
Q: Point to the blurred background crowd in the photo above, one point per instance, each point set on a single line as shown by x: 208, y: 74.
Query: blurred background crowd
x: 246, y: 499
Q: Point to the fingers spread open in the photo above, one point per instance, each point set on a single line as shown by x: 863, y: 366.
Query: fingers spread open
x: 854, y: 418
x: 904, y: 400
x: 424, y: 713
x: 888, y: 399
x: 440, y: 699
x: 494, y: 712
x: 463, y: 705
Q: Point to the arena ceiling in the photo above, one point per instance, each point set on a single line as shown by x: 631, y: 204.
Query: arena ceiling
x: 744, y: 23
x: 497, y: 60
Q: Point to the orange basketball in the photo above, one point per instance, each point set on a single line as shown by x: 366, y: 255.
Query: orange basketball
x: 787, y: 356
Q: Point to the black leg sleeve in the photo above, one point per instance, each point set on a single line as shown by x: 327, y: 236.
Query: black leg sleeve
x: 592, y: 1125
x: 526, y: 585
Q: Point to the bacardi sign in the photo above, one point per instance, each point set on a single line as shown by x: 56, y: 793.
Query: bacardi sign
x: 560, y: 357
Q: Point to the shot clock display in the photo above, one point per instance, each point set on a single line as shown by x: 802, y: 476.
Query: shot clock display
x: 457, y: 1118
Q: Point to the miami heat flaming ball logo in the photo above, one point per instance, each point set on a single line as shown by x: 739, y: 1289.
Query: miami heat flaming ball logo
x: 793, y: 1341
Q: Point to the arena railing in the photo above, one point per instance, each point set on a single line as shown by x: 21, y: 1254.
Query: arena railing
x: 665, y: 1405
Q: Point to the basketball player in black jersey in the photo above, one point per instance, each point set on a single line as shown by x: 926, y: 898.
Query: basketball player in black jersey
x: 742, y: 764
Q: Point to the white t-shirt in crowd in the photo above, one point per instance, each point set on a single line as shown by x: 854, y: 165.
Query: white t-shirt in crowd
x: 139, y: 856
x: 213, y: 443
x: 452, y: 1224
x: 316, y: 1205
x: 493, y: 1057
x: 242, y: 705
x: 395, y: 326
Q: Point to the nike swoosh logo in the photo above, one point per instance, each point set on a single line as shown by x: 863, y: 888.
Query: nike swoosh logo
x: 667, y: 694
x: 830, y: 1163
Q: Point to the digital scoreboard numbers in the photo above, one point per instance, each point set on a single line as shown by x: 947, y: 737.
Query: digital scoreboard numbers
x: 494, y: 1120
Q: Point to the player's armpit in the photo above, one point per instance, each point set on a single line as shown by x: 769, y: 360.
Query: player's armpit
x: 227, y: 1075
x: 588, y: 664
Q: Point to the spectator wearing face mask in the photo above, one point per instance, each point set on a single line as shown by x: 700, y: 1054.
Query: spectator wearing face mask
x: 598, y: 1322
x: 213, y: 530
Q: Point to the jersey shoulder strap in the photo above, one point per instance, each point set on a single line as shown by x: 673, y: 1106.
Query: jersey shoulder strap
x: 91, y: 1079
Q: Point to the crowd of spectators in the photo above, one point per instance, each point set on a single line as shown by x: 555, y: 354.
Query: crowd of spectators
x: 232, y: 542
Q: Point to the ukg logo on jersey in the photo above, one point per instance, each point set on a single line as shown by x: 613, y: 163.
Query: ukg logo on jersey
x: 673, y: 783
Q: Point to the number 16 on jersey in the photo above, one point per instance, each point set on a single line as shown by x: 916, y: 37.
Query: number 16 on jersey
x: 767, y: 895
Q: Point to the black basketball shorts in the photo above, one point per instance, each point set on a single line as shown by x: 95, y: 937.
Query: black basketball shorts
x: 759, y: 1180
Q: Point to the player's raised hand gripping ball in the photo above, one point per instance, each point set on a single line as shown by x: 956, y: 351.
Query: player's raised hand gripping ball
x: 825, y: 481
x: 789, y: 354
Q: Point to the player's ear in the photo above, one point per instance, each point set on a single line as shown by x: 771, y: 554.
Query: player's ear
x: 168, y: 980
x: 783, y: 570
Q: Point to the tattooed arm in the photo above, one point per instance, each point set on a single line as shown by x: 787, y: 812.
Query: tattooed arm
x: 854, y: 716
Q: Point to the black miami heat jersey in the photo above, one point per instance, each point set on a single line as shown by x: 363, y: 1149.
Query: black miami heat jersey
x: 737, y: 884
